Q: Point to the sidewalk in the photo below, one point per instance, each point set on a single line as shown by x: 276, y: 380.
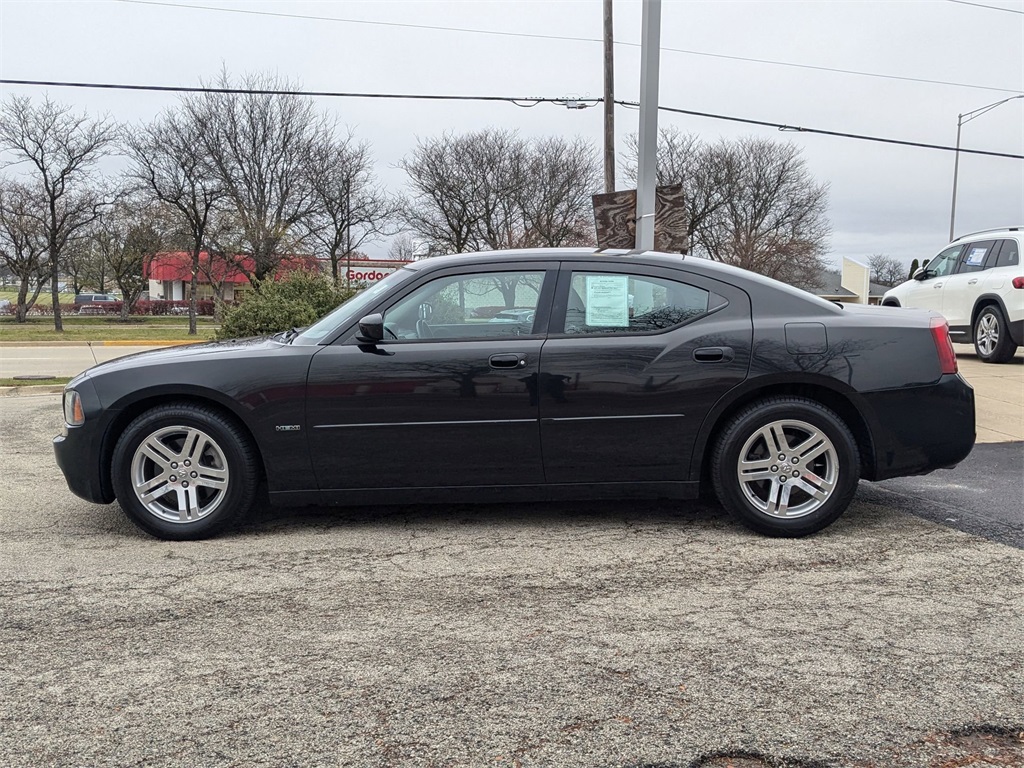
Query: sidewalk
x: 67, y: 358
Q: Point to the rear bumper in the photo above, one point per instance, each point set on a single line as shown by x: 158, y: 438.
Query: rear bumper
x: 921, y: 429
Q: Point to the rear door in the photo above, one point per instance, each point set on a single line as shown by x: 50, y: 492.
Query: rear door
x: 636, y: 357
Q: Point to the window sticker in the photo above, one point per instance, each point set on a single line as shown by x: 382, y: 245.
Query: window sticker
x: 975, y: 257
x: 608, y: 300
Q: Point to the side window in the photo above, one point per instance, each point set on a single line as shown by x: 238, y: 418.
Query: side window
x: 1009, y: 254
x: 480, y: 305
x: 974, y: 256
x: 601, y: 302
x: 944, y: 263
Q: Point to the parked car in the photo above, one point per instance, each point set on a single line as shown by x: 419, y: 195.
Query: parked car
x: 94, y: 298
x: 977, y: 283
x: 94, y: 303
x: 643, y: 376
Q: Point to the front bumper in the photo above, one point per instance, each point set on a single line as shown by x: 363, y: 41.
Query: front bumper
x: 920, y: 429
x: 79, y: 450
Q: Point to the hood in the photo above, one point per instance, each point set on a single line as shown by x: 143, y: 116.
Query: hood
x: 187, y: 353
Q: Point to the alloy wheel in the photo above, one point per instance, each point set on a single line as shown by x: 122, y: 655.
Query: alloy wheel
x: 179, y: 474
x: 788, y: 469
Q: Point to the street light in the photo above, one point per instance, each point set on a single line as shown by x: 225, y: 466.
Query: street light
x: 960, y: 120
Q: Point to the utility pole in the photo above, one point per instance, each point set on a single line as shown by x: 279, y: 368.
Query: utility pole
x: 650, y: 49
x: 609, y: 100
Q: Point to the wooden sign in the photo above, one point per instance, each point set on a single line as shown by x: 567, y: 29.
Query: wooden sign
x: 615, y: 220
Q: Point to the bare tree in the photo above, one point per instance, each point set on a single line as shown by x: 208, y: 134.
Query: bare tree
x: 61, y: 149
x: 702, y: 170
x: 493, y: 189
x: 169, y: 164
x: 23, y: 244
x: 351, y: 209
x: 556, y: 197
x: 261, y: 147
x: 127, y: 236
x: 443, y: 205
x: 885, y: 270
x: 751, y: 203
x: 402, y: 248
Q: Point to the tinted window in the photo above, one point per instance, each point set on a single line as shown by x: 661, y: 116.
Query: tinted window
x: 602, y: 302
x: 482, y: 305
x: 1009, y: 254
x: 975, y: 256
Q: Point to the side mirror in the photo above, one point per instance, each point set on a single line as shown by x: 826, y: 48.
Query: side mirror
x: 921, y: 274
x: 371, y: 329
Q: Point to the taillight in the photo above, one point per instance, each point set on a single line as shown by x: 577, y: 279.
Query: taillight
x: 943, y: 345
x: 1018, y: 282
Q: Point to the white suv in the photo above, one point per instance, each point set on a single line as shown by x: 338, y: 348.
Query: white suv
x: 977, y: 282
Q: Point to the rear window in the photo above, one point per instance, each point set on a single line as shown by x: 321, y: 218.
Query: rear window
x: 1009, y: 254
x: 601, y: 303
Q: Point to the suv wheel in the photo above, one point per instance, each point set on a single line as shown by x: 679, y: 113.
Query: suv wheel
x: 992, y: 339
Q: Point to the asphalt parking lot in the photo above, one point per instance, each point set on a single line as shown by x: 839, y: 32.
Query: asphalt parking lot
x: 640, y: 634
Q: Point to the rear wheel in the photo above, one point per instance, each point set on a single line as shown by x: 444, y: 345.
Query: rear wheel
x: 992, y: 339
x: 786, y: 466
x: 184, y: 472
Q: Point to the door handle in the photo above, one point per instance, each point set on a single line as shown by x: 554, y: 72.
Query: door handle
x: 509, y: 360
x: 713, y: 354
x: 972, y: 281
x: 937, y: 285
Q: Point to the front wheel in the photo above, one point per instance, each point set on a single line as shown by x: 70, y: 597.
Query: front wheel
x: 992, y: 339
x: 786, y: 466
x: 184, y: 472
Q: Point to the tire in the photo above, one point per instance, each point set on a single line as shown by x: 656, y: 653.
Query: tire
x: 776, y: 496
x: 184, y: 472
x: 992, y: 339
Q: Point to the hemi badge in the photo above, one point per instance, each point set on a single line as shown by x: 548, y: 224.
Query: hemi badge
x: 287, y: 427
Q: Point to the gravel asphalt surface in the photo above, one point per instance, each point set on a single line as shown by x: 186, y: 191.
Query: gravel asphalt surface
x: 639, y: 634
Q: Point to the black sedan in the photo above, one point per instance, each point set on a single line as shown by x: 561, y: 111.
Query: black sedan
x: 617, y: 375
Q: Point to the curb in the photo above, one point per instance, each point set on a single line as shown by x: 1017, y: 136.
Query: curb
x: 112, y: 343
x: 32, y: 389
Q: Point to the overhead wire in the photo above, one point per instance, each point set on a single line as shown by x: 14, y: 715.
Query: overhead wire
x: 529, y: 101
x: 988, y: 7
x: 570, y: 38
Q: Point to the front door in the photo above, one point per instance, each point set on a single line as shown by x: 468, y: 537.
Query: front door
x: 635, y: 360
x: 447, y: 399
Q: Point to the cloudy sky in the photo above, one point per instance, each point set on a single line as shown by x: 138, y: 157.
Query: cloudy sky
x: 922, y: 62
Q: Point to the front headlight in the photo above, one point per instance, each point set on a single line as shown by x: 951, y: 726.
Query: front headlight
x: 74, y: 414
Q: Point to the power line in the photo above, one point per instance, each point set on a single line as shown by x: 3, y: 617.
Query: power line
x: 520, y: 101
x: 989, y: 7
x: 539, y: 36
x: 823, y: 132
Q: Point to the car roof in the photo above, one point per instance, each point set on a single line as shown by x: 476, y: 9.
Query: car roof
x: 1011, y: 231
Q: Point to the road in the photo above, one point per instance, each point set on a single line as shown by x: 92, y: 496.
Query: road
x: 611, y: 634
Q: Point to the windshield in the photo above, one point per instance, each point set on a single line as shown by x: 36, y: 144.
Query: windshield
x: 351, y: 310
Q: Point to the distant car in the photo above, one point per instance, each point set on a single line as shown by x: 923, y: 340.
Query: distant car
x: 643, y: 375
x: 94, y: 303
x: 6, y: 307
x: 516, y: 315
x: 94, y: 298
x: 977, y: 283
